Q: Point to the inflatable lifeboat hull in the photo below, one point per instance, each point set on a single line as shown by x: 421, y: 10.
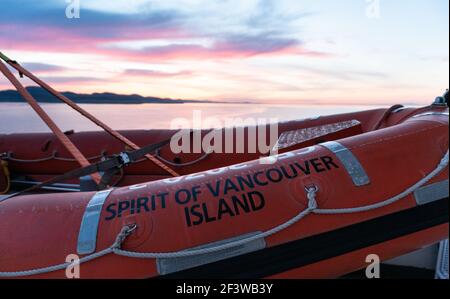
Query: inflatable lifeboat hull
x: 315, y: 212
x: 38, y: 157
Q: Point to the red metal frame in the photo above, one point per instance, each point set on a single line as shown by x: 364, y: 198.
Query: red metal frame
x: 61, y: 136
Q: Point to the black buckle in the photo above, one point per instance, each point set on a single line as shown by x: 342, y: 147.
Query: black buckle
x: 124, y: 159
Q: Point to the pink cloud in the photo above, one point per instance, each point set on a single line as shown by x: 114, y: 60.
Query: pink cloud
x: 155, y: 74
x: 52, y: 39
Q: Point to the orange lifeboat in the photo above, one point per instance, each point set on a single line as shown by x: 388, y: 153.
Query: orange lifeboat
x: 34, y: 158
x: 316, y: 210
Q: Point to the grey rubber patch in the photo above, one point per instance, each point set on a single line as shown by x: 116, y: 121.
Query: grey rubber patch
x: 87, y: 237
x: 354, y: 168
x: 171, y: 265
x: 431, y: 192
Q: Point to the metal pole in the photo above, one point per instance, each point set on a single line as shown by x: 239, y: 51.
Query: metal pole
x: 86, y: 114
x: 48, y: 121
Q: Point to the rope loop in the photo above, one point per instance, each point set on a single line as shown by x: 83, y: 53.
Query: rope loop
x: 311, y: 193
x: 123, y: 234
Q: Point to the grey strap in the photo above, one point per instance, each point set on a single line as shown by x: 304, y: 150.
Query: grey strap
x: 171, y: 265
x: 87, y: 237
x: 431, y: 192
x: 350, y: 162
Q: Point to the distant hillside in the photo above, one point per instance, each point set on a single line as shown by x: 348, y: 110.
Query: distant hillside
x: 43, y: 96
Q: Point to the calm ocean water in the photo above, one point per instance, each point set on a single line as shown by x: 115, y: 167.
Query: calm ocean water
x: 20, y: 118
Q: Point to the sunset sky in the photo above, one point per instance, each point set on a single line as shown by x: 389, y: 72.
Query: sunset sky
x: 274, y: 51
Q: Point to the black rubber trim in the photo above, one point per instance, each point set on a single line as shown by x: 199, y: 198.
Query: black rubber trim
x: 296, y: 254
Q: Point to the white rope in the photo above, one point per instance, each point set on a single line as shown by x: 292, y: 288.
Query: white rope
x: 312, y: 204
x: 442, y: 165
x: 9, y: 156
x: 123, y: 234
x: 55, y: 267
x: 312, y: 208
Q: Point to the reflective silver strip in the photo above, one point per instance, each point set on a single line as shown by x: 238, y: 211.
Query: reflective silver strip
x: 87, y: 237
x: 171, y: 265
x: 431, y: 193
x: 291, y: 138
x: 350, y: 162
